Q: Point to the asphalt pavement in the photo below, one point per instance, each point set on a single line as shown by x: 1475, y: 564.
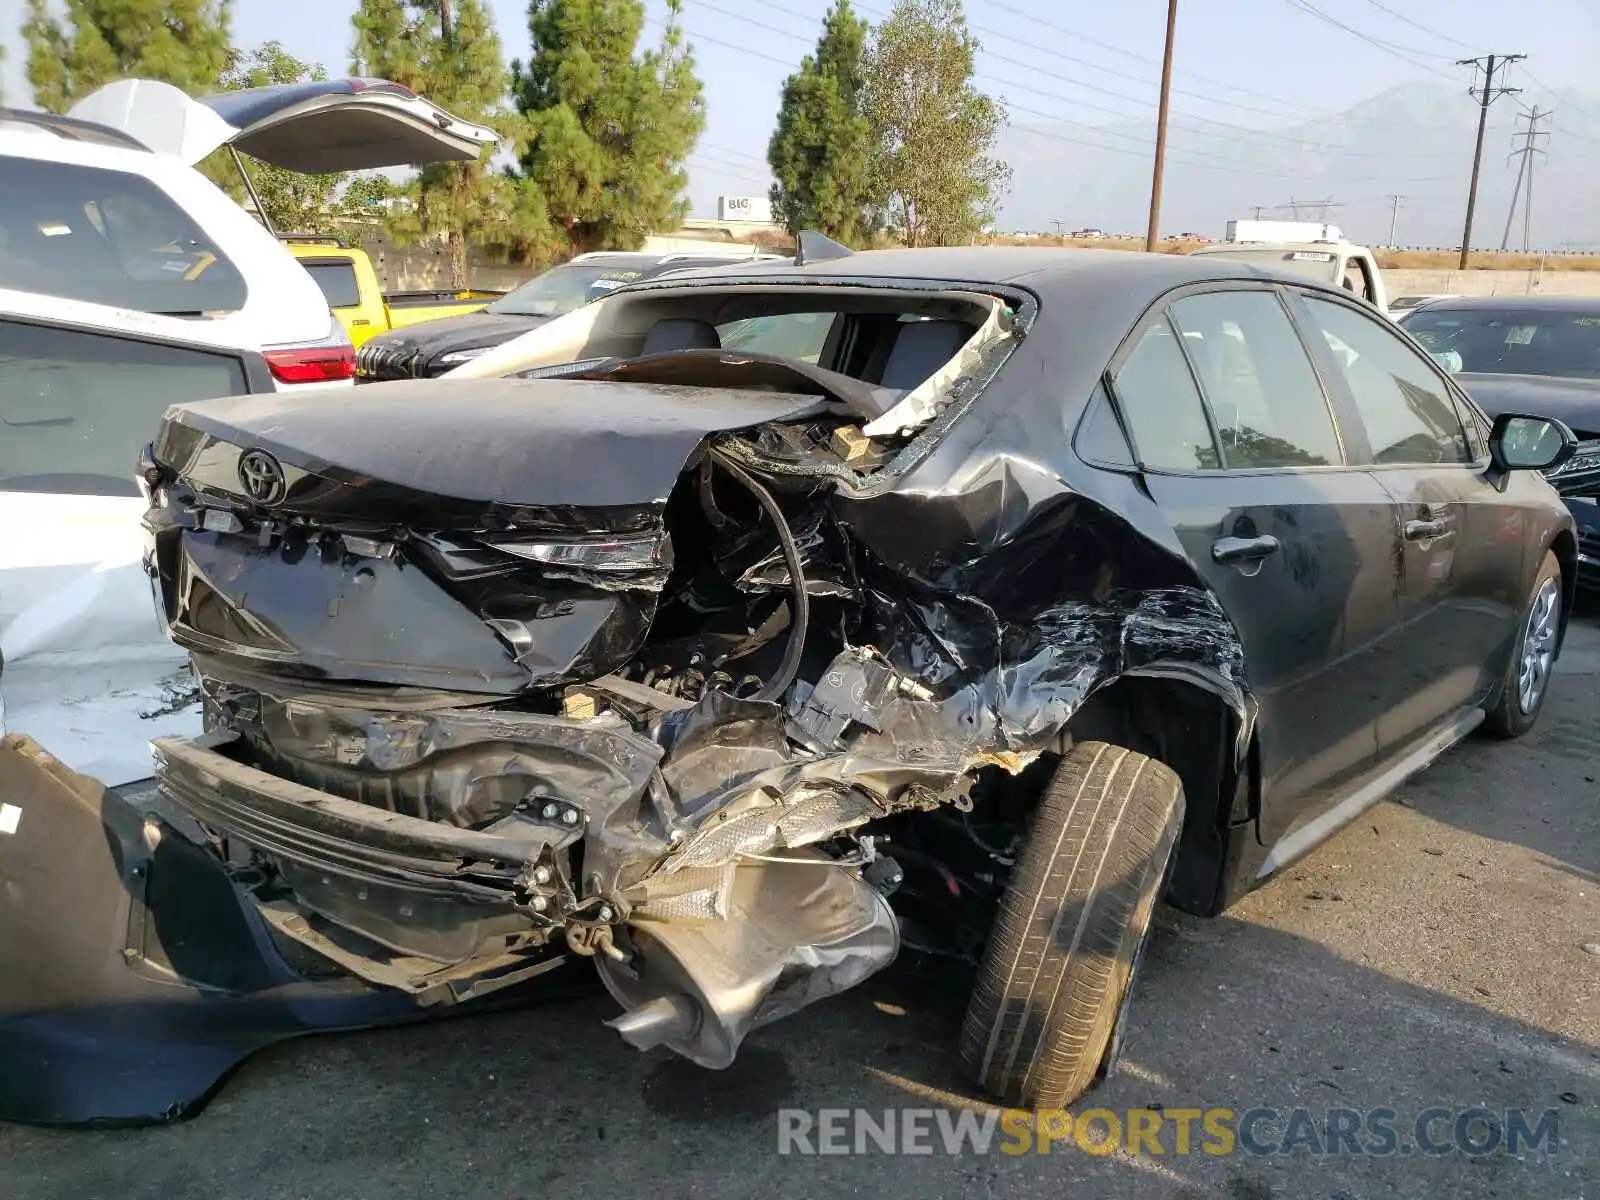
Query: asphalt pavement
x: 1443, y: 951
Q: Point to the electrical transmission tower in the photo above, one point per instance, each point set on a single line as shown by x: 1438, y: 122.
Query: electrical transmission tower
x: 1525, y: 153
x: 1490, y: 65
x: 1318, y: 209
x: 1395, y: 201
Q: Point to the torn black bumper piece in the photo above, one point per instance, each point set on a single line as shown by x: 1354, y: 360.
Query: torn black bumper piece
x: 134, y: 976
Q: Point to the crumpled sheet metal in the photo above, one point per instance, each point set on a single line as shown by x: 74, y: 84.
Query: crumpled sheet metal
x: 754, y: 777
x: 796, y: 932
x: 412, y: 762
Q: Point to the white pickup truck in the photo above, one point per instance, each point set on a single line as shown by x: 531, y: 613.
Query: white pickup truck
x: 1310, y: 250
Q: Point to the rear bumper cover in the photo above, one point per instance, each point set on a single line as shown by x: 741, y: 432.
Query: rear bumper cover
x: 137, y: 974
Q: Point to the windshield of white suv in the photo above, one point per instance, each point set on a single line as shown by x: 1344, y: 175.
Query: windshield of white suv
x: 1513, y: 341
x: 564, y: 288
x: 107, y: 237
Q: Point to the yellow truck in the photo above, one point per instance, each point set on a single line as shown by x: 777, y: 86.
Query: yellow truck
x: 347, y: 278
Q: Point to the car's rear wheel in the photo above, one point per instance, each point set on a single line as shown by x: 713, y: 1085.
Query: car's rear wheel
x: 1527, y: 681
x: 1061, y: 959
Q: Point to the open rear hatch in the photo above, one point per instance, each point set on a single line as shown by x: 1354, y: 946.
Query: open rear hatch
x: 315, y: 128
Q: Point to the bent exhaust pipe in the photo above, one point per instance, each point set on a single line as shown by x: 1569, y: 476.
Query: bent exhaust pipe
x: 796, y: 931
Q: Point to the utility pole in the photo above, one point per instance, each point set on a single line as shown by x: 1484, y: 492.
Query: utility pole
x: 1525, y: 153
x: 1485, y: 96
x: 1257, y: 210
x: 1395, y: 201
x: 1152, y: 235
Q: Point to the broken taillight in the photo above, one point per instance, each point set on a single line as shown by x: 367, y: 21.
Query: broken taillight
x: 312, y: 364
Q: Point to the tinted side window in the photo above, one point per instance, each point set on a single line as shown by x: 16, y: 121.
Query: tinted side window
x: 1162, y: 405
x: 75, y: 407
x: 1264, y: 395
x: 1404, y: 404
x: 337, y: 279
x: 107, y: 237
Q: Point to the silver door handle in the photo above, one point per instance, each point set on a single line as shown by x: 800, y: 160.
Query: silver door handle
x: 1231, y: 551
x: 1421, y: 531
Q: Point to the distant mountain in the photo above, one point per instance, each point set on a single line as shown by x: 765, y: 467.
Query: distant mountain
x: 1415, y: 140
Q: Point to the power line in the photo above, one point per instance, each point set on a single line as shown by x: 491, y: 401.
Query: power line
x: 1309, y: 114
x: 1288, y: 140
x: 1551, y: 92
x: 1444, y: 37
x: 1079, y: 35
x: 1222, y: 164
x: 1400, y: 52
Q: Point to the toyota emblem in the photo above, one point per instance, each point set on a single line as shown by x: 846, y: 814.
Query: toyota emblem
x: 261, y: 477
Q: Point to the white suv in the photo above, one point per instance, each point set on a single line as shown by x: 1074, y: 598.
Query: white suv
x: 128, y: 282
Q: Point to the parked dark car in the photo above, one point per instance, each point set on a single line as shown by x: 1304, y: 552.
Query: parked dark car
x: 980, y: 600
x: 1532, y: 355
x: 431, y: 348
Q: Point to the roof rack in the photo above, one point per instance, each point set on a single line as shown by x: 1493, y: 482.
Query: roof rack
x: 71, y: 128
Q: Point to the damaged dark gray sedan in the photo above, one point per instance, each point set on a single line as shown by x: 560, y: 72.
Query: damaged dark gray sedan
x: 981, y: 599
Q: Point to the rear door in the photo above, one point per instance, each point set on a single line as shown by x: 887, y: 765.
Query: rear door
x: 87, y: 671
x: 1241, y: 451
x: 1462, y: 545
x: 314, y: 128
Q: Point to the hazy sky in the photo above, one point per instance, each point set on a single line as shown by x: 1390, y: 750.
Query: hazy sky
x: 1249, y: 62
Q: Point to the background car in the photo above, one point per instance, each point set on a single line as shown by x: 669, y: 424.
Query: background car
x: 1401, y: 305
x: 348, y: 279
x: 129, y: 281
x: 1531, y: 355
x: 431, y: 348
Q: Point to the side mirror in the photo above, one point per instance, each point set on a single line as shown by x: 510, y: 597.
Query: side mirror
x: 1519, y: 443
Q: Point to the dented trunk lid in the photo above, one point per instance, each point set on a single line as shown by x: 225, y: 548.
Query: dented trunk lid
x: 488, y: 536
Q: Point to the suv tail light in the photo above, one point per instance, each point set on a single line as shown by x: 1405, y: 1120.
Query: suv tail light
x: 312, y: 364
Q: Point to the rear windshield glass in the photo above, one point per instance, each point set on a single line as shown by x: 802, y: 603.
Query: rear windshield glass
x: 564, y: 288
x: 337, y: 279
x: 1321, y: 265
x: 107, y: 237
x: 76, y: 405
x: 1512, y: 341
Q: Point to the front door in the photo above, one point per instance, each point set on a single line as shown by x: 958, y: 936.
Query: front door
x: 1299, y: 546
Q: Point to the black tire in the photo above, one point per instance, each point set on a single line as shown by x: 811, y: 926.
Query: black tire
x: 1060, y: 961
x: 1511, y: 716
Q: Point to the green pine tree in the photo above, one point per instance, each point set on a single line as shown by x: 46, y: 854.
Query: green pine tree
x: 821, y: 151
x: 933, y: 131
x: 182, y: 42
x: 609, y: 127
x: 448, y: 51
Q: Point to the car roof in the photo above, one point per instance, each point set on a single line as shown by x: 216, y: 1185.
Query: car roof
x: 1002, y: 264
x: 666, y: 258
x: 70, y: 128
x: 1551, y: 304
x: 1273, y: 247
